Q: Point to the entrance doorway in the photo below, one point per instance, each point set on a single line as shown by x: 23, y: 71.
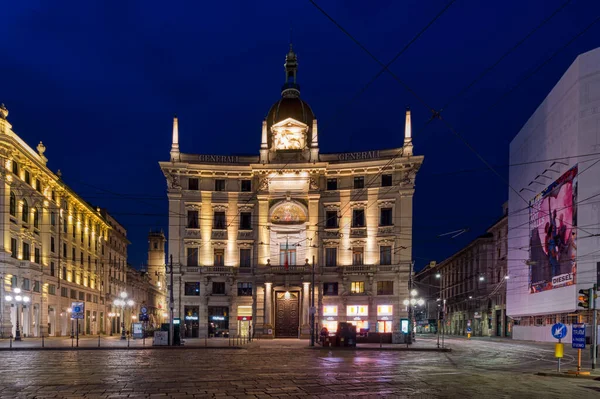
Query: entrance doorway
x: 287, y: 315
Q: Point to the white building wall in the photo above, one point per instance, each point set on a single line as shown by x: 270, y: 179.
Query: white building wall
x: 564, y: 128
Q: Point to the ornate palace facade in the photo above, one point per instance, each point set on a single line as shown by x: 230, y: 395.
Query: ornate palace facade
x: 244, y: 230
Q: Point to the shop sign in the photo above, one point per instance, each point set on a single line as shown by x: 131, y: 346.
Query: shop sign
x: 404, y: 326
x: 177, y: 321
x: 244, y: 318
x: 477, y: 315
x: 384, y: 318
x: 356, y: 156
x: 218, y: 318
x: 330, y: 318
x: 357, y: 318
x: 191, y: 317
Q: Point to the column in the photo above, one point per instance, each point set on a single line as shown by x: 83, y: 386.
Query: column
x: 305, y: 328
x: 311, y: 233
x: 268, y: 311
x: 263, y: 233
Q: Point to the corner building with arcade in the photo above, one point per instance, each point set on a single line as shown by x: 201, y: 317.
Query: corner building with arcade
x: 244, y: 230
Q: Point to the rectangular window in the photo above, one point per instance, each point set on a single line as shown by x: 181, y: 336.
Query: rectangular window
x: 51, y: 289
x: 88, y: 297
x: 192, y: 219
x: 193, y: 184
x: 358, y: 218
x: 287, y: 254
x: 245, y: 221
x: 73, y: 257
x: 246, y: 186
x: 36, y: 286
x: 385, y: 288
x: 192, y: 289
x: 219, y: 221
x: 244, y: 289
x: 81, y: 258
x: 192, y: 256
x: 73, y: 294
x: 245, y: 257
x: 359, y: 182
x: 332, y: 184
x: 51, y: 244
x: 219, y: 185
x: 385, y: 217
x: 82, y: 236
x: 64, y: 273
x: 38, y: 185
x: 13, y: 248
x: 357, y: 287
x: 357, y: 256
x: 37, y: 255
x: 53, y: 218
x: 330, y: 257
x: 52, y: 269
x: 386, y: 180
x: 219, y: 257
x: 27, y: 177
x: 64, y: 292
x: 25, y: 285
x: 65, y: 228
x: 385, y: 255
x: 330, y: 289
x: 26, y: 251
x: 218, y: 288
x: 331, y: 219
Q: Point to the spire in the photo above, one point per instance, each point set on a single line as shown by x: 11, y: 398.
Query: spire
x: 290, y: 87
x: 408, y: 147
x: 175, y: 142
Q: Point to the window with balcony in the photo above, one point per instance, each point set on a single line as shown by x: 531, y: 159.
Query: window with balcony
x: 330, y: 289
x: 244, y: 289
x: 219, y: 257
x: 246, y: 186
x: 245, y: 257
x: 332, y: 184
x: 330, y: 257
x: 385, y: 255
x: 331, y: 219
x: 219, y: 221
x: 193, y: 184
x: 359, y: 182
x: 385, y: 217
x: 287, y: 254
x: 245, y: 221
x: 192, y: 289
x: 13, y: 204
x: 219, y: 185
x: 218, y: 288
x: 386, y: 180
x: 358, y: 218
x: 192, y: 256
x: 26, y: 252
x: 357, y: 287
x: 385, y: 288
x: 192, y: 219
x: 358, y: 256
x: 25, y: 214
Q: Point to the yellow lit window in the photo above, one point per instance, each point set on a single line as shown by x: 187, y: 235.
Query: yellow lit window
x: 330, y: 311
x: 384, y: 310
x: 357, y: 287
x: 357, y: 310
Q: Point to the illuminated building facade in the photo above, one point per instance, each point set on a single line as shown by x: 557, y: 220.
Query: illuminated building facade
x: 244, y: 230
x: 52, y: 246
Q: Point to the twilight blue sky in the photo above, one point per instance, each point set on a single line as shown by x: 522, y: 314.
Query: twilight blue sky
x: 99, y: 81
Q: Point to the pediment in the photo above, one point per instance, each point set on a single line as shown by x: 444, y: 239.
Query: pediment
x: 289, y: 123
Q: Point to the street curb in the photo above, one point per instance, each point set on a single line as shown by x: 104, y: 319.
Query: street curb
x: 119, y: 348
x: 338, y: 348
x: 565, y: 375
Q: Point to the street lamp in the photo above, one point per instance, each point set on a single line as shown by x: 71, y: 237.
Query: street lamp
x: 17, y: 299
x: 123, y: 303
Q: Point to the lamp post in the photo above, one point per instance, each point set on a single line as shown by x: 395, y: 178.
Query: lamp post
x: 123, y: 303
x: 411, y: 303
x: 18, y: 299
x: 111, y: 316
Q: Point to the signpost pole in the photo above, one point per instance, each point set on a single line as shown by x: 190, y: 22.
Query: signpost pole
x: 594, y: 326
x: 171, y: 304
x: 559, y: 357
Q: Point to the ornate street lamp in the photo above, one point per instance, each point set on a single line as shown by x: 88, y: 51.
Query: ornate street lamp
x: 18, y: 299
x: 123, y: 303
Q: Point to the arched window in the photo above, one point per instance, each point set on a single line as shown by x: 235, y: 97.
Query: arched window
x: 13, y: 204
x: 36, y: 221
x: 25, y: 214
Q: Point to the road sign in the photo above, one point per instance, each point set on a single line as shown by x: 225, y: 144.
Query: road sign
x: 144, y: 317
x: 559, y: 331
x: 469, y: 329
x: 144, y: 310
x: 578, y: 336
x: 77, y: 310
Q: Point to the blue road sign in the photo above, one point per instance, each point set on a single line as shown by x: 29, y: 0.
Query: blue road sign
x: 578, y: 336
x: 469, y: 329
x: 144, y: 310
x: 559, y: 331
x: 77, y: 310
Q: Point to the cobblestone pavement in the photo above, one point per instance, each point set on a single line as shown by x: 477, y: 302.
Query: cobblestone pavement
x: 267, y: 369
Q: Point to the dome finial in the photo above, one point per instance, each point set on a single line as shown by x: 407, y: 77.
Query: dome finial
x: 291, y: 88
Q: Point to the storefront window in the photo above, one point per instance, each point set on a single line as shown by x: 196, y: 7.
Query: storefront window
x: 218, y: 321
x: 357, y: 310
x: 330, y: 311
x: 244, y: 320
x: 330, y: 325
x: 191, y: 325
x: 385, y: 310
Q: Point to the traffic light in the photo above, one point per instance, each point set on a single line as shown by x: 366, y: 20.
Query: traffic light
x: 584, y: 298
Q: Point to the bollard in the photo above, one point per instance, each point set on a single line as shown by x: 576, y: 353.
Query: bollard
x: 228, y: 340
x: 98, y: 340
x: 72, y: 342
x: 42, y: 340
x: 128, y: 341
x: 380, y: 345
x: 10, y: 342
x: 206, y: 340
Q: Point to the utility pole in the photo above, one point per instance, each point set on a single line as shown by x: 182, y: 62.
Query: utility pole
x: 312, y: 304
x: 410, y: 305
x: 594, y: 326
x: 171, y: 303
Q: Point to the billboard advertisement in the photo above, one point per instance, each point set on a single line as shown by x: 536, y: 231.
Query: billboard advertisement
x: 553, y: 235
